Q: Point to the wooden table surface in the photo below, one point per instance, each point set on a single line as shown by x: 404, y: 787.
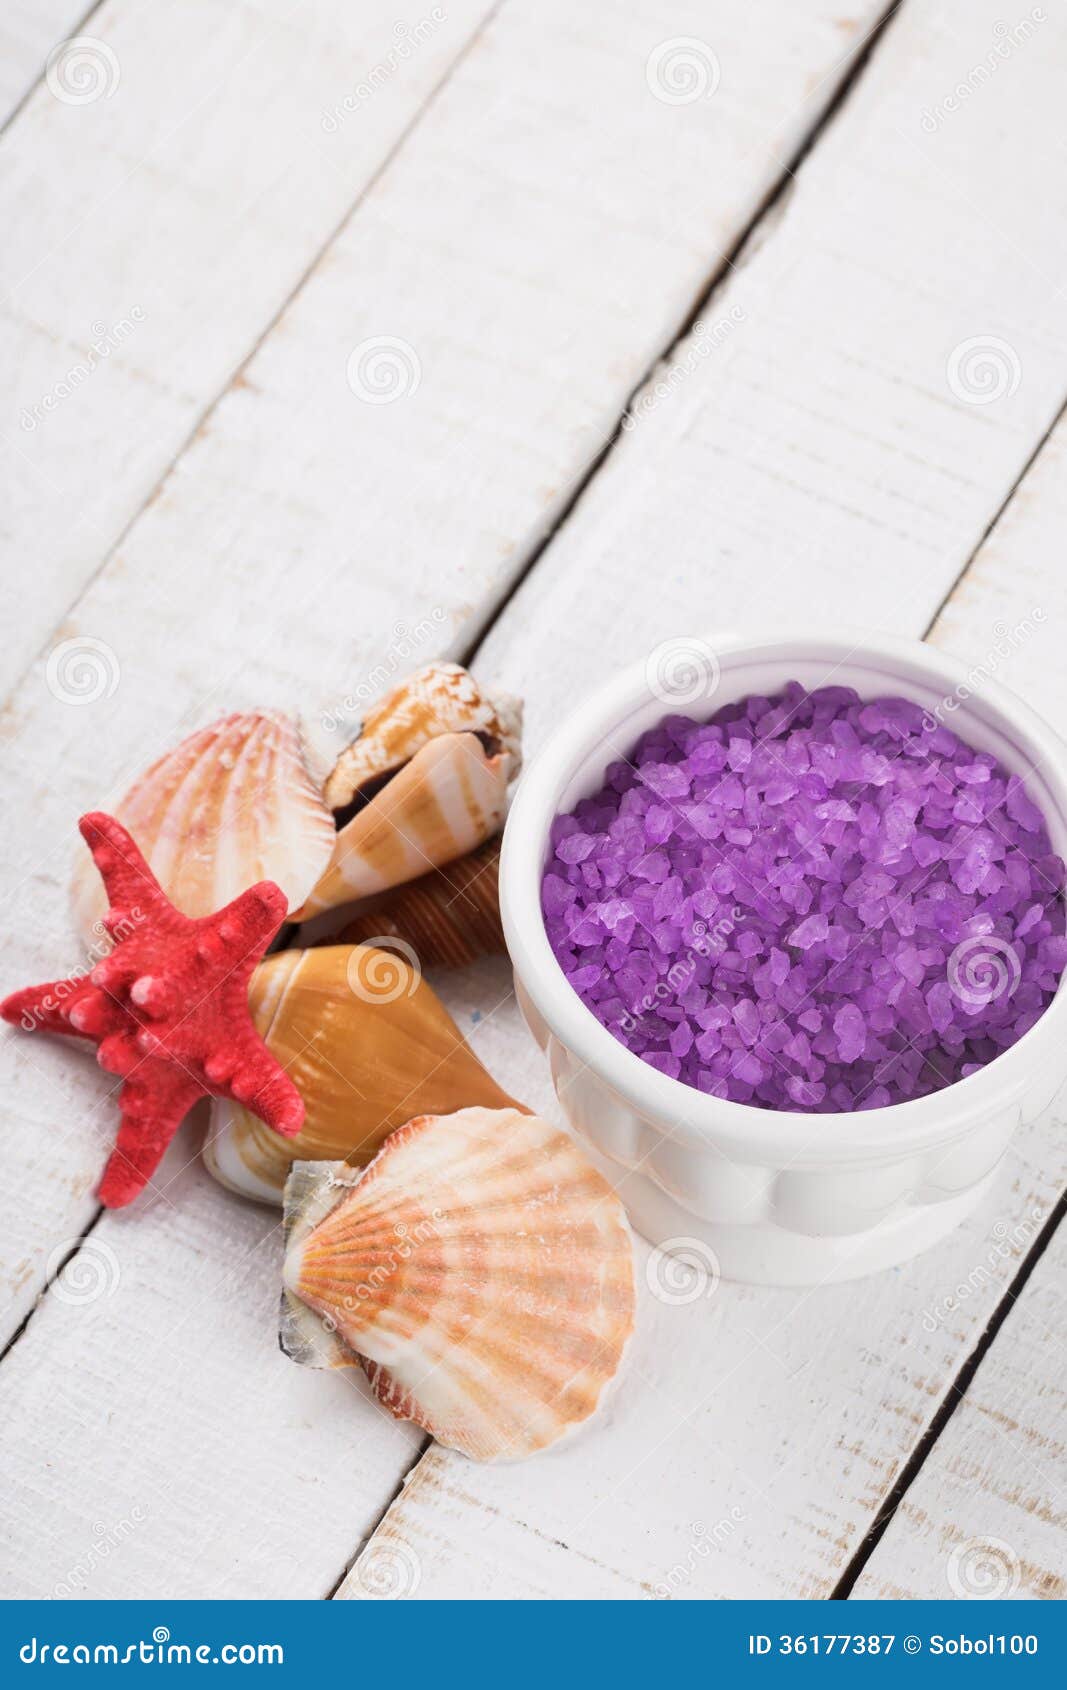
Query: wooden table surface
x: 532, y: 334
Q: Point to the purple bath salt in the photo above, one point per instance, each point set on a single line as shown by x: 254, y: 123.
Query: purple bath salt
x: 812, y: 902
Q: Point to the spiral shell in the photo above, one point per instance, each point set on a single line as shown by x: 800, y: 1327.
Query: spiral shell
x: 232, y: 804
x: 480, y: 1268
x: 448, y: 918
x: 424, y: 782
x: 368, y: 1045
x: 443, y: 698
x: 445, y: 802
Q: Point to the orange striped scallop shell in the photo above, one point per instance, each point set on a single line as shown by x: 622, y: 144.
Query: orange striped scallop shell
x: 481, y: 1269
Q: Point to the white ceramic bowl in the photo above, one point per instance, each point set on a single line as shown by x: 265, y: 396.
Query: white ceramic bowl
x: 776, y: 1197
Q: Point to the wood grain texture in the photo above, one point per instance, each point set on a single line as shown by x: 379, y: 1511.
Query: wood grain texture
x: 29, y: 29
x: 828, y: 450
x: 817, y: 465
x: 308, y: 544
x: 180, y: 1452
x: 534, y: 294
x: 311, y: 543
x: 987, y: 1514
x: 153, y: 232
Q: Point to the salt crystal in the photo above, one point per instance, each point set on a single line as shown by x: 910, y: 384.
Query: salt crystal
x: 774, y: 907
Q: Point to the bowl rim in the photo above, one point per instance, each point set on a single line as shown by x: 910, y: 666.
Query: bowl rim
x: 741, y: 1128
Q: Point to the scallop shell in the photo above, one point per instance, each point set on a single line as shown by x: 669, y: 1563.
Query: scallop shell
x: 443, y: 698
x: 232, y: 804
x: 449, y: 917
x: 367, y: 1043
x: 447, y: 800
x: 481, y: 1269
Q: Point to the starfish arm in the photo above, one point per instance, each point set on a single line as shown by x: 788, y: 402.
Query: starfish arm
x: 153, y: 1103
x: 262, y: 1085
x: 249, y: 922
x: 47, y: 1008
x: 167, y: 1008
x: 131, y: 885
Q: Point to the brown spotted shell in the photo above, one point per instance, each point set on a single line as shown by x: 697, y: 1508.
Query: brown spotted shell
x: 449, y: 917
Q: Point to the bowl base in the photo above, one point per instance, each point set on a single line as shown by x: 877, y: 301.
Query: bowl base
x: 770, y: 1255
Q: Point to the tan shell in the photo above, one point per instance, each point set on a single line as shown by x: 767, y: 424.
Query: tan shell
x: 481, y: 1269
x: 449, y: 799
x: 232, y: 804
x: 449, y: 917
x: 440, y: 699
x: 368, y: 1045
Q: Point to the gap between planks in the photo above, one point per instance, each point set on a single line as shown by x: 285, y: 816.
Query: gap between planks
x: 368, y: 1537
x: 759, y: 223
x: 77, y: 26
x: 995, y: 519
x: 947, y: 1407
x: 234, y: 379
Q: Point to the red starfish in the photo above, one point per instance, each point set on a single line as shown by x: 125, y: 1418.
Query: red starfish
x: 168, y: 1008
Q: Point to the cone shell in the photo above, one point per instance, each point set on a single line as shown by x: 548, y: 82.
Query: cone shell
x: 368, y: 1045
x: 231, y: 805
x: 449, y: 917
x: 445, y: 802
x: 481, y: 1268
x: 443, y: 698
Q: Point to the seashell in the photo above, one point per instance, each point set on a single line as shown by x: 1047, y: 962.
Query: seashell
x: 311, y: 1191
x: 445, y: 802
x: 424, y: 782
x: 480, y: 1268
x: 443, y: 698
x: 231, y: 805
x: 368, y: 1045
x: 449, y: 917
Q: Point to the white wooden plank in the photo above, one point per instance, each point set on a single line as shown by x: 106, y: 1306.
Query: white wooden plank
x: 300, y: 528
x: 155, y: 221
x: 815, y: 466
x: 29, y: 30
x: 986, y: 1516
x: 180, y: 1451
x: 807, y: 457
x: 296, y: 549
